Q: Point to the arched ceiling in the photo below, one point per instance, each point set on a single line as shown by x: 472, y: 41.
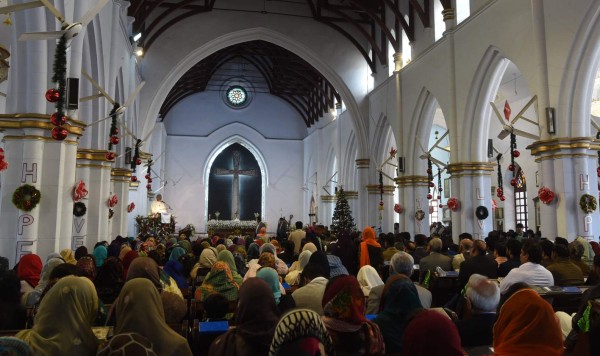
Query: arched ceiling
x: 269, y: 69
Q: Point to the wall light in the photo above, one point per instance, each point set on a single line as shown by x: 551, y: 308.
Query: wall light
x: 136, y: 37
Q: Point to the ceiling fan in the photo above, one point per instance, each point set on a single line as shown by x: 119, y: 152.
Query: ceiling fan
x: 70, y: 30
x: 427, y: 154
x: 507, y: 129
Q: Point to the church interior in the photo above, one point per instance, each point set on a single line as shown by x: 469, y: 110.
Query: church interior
x: 424, y: 117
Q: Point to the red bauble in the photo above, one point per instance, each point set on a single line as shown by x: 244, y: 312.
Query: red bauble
x: 56, y: 121
x: 110, y: 156
x: 516, y: 153
x: 511, y: 167
x: 52, y: 95
x: 439, y: 197
x: 499, y: 190
x: 499, y: 194
x: 116, y: 131
x: 149, y: 186
x: 598, y: 171
x: 147, y: 176
x: 149, y: 180
x: 380, y: 203
x: 513, y: 182
x: 431, y: 185
x: 441, y: 206
x: 440, y: 189
x: 138, y: 162
x: 428, y: 170
x: 133, y: 178
x: 59, y: 133
x: 114, y: 140
x: 502, y: 198
x: 429, y: 196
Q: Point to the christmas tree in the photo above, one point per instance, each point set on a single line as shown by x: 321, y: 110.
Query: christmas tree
x: 342, y: 215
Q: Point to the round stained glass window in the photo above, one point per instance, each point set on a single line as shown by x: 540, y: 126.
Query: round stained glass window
x: 237, y: 96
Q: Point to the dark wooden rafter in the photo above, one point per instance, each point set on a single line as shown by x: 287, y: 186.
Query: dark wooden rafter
x: 287, y: 76
x: 362, y: 22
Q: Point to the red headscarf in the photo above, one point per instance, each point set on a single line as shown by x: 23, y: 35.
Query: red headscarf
x: 595, y: 247
x: 30, y: 268
x: 527, y: 325
x: 368, y: 238
x: 431, y: 333
x: 127, y: 259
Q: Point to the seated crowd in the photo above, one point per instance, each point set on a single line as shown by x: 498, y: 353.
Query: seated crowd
x: 308, y: 294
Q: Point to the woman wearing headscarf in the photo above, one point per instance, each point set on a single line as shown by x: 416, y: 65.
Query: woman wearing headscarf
x: 175, y: 270
x: 309, y: 246
x: 128, y: 258
x: 68, y: 256
x: 80, y: 252
x: 128, y: 344
x: 208, y: 257
x: 29, y: 271
x: 253, y: 251
x: 368, y: 278
x: 293, y: 277
x: 227, y: 257
x: 219, y: 280
x: 370, y: 249
x: 146, y: 267
x: 140, y: 310
x: 11, y: 346
x: 430, y: 333
x: 33, y: 297
x: 100, y: 254
x: 399, y: 301
x: 526, y: 325
x: 346, y: 250
x: 254, y: 265
x: 287, y: 255
x: 109, y: 280
x: 86, y: 267
x: 262, y: 235
x: 319, y: 259
x: 239, y: 256
x: 124, y: 251
x: 284, y: 301
x: 344, y: 316
x: 176, y: 253
x: 301, y: 332
x: 63, y: 324
x: 256, y: 318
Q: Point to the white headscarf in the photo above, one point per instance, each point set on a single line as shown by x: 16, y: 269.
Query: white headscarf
x: 368, y: 278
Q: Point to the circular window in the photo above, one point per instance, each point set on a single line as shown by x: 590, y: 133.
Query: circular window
x: 237, y: 96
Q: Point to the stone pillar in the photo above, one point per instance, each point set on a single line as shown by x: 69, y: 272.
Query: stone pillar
x: 387, y: 214
x: 412, y: 197
x: 328, y: 206
x: 568, y: 168
x: 449, y: 16
x: 398, y: 61
x: 471, y: 184
x: 362, y: 165
x: 94, y: 169
x: 120, y: 178
x: 352, y: 197
x: 36, y: 159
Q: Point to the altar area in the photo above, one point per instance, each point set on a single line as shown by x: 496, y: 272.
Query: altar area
x: 235, y: 227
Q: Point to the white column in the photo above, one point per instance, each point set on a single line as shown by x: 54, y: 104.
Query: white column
x: 412, y: 196
x: 362, y: 214
x: 120, y: 178
x: 471, y: 184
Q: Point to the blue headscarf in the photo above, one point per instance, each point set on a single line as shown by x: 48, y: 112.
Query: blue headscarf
x: 100, y: 254
x: 176, y: 253
x: 270, y: 276
x: 175, y: 270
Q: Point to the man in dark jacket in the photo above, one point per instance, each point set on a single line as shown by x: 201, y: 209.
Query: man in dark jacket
x: 478, y: 263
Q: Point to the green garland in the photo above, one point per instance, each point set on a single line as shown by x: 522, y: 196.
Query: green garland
x: 79, y: 209
x: 113, y: 125
x: 26, y: 197
x: 588, y: 203
x: 59, y: 75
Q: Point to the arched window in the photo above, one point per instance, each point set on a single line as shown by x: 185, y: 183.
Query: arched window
x: 521, y: 198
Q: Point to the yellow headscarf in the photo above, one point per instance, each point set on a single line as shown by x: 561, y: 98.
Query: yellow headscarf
x: 63, y: 324
x: 68, y: 256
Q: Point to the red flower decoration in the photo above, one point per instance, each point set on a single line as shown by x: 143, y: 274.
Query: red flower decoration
x: 453, y: 204
x: 112, y: 201
x: 3, y: 163
x: 80, y: 191
x: 398, y: 208
x: 546, y: 195
x: 130, y: 207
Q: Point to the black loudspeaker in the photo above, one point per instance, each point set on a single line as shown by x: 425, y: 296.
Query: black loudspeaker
x: 401, y: 164
x: 490, y: 148
x: 72, y: 91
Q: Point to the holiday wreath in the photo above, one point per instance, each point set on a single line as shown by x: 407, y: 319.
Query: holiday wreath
x: 26, y: 197
x: 481, y: 212
x: 79, y: 209
x: 588, y: 203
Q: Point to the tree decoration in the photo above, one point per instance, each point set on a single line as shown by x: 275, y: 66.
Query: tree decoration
x: 114, y: 131
x: 342, y: 219
x: 26, y: 197
x: 380, y: 191
x: 546, y: 195
x: 111, y: 213
x: 79, y: 209
x: 514, y: 153
x: 134, y: 179
x: 136, y: 160
x: 149, y: 176
x: 453, y: 204
x: 499, y: 190
x: 398, y: 208
x: 429, y: 178
x: 494, y: 205
x: 110, y: 156
x: 598, y: 169
x: 3, y: 163
x: 419, y: 215
x: 481, y: 212
x: 588, y: 203
x: 57, y: 95
x: 113, y: 201
x: 130, y: 207
x: 79, y: 191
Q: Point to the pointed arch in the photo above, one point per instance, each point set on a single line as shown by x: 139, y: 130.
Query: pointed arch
x: 259, y: 158
x: 420, y: 129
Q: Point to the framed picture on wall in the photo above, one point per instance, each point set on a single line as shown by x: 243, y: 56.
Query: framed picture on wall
x: 447, y: 188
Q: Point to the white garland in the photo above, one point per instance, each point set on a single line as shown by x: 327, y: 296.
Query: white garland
x: 230, y: 224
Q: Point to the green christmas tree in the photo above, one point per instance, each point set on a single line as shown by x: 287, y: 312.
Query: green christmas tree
x: 342, y: 215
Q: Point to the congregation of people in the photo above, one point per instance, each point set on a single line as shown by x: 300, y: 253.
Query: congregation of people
x: 304, y: 293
